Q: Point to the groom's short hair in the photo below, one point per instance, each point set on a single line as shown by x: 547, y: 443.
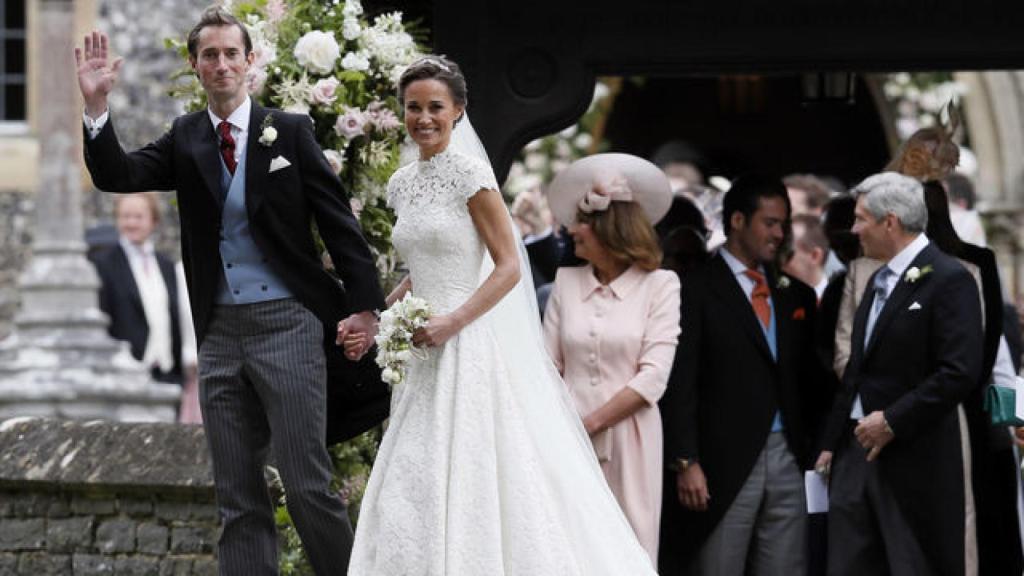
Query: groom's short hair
x: 216, y: 16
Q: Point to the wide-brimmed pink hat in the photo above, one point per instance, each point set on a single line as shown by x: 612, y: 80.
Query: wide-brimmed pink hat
x: 591, y: 184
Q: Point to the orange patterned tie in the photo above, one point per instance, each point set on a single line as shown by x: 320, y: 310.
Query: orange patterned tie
x: 759, y: 297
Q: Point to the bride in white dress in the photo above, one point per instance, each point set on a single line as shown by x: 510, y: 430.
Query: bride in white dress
x: 485, y: 468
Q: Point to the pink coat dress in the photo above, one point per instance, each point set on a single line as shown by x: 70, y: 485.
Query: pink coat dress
x: 603, y: 338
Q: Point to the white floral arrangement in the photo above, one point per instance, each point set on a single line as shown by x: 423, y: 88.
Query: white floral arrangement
x: 330, y: 60
x: 394, y: 336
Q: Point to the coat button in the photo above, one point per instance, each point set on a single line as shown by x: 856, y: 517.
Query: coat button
x: 264, y: 287
x: 230, y: 265
x: 237, y: 292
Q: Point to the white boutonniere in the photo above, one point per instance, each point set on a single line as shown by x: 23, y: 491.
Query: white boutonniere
x: 783, y: 283
x: 269, y: 134
x: 914, y: 273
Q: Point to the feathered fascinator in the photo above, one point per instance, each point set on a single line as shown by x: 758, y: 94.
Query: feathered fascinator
x: 930, y: 153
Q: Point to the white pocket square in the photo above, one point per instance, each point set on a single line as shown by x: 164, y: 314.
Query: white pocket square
x: 278, y: 163
x: 914, y: 306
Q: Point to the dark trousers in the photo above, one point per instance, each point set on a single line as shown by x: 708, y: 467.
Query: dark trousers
x: 867, y: 532
x: 262, y: 379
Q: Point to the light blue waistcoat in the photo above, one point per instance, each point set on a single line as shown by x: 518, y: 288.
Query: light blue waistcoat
x: 769, y: 334
x: 247, y: 278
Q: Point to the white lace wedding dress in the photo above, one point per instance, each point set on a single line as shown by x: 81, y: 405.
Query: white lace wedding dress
x: 485, y: 469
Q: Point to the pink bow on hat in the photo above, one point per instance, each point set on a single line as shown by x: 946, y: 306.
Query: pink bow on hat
x: 602, y: 194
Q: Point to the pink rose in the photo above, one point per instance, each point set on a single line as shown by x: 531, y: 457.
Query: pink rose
x: 325, y: 90
x: 255, y: 79
x: 275, y: 10
x: 382, y: 118
x: 351, y: 124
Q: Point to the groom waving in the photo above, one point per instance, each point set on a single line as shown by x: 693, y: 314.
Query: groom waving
x: 249, y: 182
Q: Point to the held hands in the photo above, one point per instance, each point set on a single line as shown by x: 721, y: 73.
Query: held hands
x: 692, y: 488
x: 96, y: 76
x: 356, y: 334
x: 437, y: 331
x: 873, y: 433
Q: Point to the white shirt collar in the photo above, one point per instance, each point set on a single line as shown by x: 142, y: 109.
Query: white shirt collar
x: 820, y: 288
x: 735, y: 264
x: 901, y: 261
x: 135, y: 250
x: 239, y: 118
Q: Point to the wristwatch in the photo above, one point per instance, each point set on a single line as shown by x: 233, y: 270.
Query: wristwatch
x: 683, y: 464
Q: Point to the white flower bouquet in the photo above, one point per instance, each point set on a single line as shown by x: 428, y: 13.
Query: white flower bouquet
x: 394, y: 336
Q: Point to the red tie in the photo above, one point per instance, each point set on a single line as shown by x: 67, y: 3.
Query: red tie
x: 759, y: 297
x: 227, y: 146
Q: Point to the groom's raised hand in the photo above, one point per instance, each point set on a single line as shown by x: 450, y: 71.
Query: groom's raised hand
x: 96, y: 74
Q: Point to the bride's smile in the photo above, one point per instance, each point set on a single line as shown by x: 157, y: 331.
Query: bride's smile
x: 430, y: 115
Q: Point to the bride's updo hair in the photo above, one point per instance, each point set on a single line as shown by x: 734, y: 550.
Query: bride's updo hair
x: 435, y: 68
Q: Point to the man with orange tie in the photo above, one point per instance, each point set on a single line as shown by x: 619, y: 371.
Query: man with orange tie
x: 736, y: 433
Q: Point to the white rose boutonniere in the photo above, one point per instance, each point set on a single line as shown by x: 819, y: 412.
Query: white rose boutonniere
x: 269, y: 134
x: 783, y: 283
x: 913, y: 274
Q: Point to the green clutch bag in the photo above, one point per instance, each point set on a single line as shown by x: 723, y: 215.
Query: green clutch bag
x: 1000, y: 403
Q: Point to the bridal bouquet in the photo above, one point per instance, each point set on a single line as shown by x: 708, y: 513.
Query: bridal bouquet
x: 394, y: 336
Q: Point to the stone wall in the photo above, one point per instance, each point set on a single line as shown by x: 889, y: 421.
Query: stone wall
x: 105, y: 498
x: 17, y: 212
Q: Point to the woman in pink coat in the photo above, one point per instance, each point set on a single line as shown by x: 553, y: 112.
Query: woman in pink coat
x: 612, y: 326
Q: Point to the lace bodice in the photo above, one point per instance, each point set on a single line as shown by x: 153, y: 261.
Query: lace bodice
x: 434, y: 234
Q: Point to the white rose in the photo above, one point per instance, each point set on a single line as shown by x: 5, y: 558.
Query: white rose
x: 317, y: 51
x: 268, y: 136
x: 351, y: 29
x: 335, y: 159
x: 390, y: 376
x: 325, y: 90
x: 568, y: 132
x: 357, y: 61
x: 352, y: 8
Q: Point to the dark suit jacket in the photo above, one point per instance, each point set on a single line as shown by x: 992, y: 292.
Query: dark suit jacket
x: 120, y: 299
x: 725, y: 388
x: 919, y: 365
x: 281, y: 206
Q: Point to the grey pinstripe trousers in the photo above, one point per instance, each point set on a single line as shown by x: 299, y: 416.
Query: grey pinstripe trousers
x: 262, y: 386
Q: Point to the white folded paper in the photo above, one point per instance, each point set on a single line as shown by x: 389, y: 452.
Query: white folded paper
x: 816, y: 487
